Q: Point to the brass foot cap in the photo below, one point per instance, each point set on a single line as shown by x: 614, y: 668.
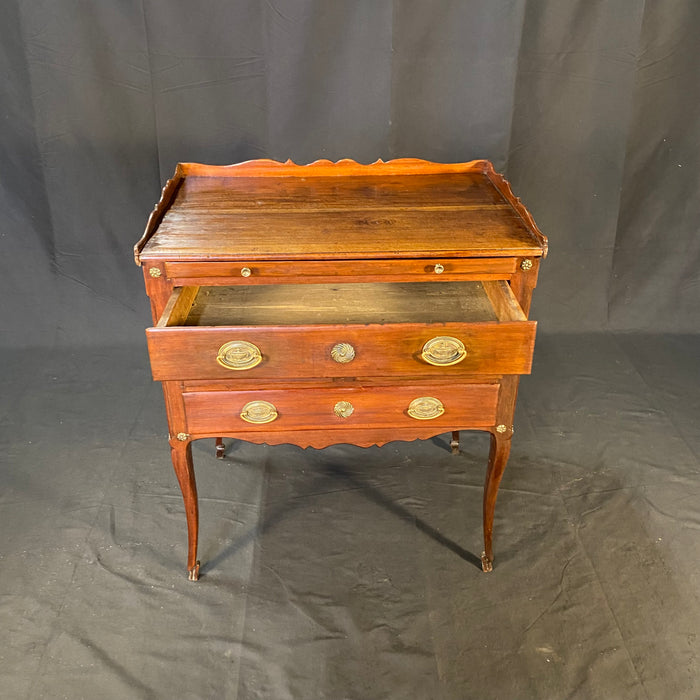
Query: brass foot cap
x: 486, y: 563
x: 193, y: 574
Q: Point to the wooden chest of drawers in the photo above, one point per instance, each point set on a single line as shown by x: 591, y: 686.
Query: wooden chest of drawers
x: 338, y: 302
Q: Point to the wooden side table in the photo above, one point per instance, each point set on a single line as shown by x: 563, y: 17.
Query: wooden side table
x: 339, y: 302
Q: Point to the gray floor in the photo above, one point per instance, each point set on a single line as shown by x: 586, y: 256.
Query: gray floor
x: 351, y: 573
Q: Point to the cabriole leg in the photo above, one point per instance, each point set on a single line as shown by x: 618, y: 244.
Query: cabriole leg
x: 181, y: 453
x: 498, y: 456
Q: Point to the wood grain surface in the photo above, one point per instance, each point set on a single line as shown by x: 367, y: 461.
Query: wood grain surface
x: 296, y: 259
x: 405, y: 209
x: 375, y: 407
x: 182, y: 353
x: 323, y: 271
x: 344, y: 303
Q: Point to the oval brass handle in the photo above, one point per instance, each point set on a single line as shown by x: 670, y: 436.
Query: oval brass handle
x: 259, y: 412
x: 439, y: 269
x: 246, y: 272
x: 425, y: 408
x: 343, y: 352
x: 343, y: 409
x: 443, y: 351
x: 239, y: 354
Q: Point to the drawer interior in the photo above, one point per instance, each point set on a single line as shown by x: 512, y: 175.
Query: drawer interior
x: 344, y: 303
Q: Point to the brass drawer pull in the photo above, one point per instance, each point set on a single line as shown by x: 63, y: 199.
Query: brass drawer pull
x: 443, y: 351
x: 439, y: 269
x: 246, y: 272
x: 425, y: 408
x: 343, y: 352
x: 343, y: 409
x: 239, y: 354
x: 259, y: 412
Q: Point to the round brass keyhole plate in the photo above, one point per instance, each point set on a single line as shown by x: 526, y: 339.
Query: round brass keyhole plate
x: 343, y: 352
x: 343, y: 409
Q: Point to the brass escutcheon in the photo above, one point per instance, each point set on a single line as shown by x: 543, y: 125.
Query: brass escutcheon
x: 343, y: 352
x: 239, y: 354
x: 425, y: 408
x: 343, y: 409
x: 443, y: 351
x: 259, y: 412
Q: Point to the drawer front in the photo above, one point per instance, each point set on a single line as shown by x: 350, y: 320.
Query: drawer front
x: 309, y: 271
x: 188, y: 353
x: 421, y: 406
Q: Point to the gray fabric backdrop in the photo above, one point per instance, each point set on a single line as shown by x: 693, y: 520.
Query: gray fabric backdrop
x: 346, y: 572
x: 590, y: 107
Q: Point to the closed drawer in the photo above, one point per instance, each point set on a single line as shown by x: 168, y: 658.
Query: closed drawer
x: 321, y: 271
x: 210, y: 333
x: 443, y: 406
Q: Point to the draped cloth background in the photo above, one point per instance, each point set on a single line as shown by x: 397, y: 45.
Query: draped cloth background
x: 592, y: 109
x: 348, y: 573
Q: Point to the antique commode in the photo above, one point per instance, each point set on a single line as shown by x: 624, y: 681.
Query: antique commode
x: 339, y: 303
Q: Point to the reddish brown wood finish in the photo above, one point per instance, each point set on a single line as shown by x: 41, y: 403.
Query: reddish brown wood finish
x: 203, y: 385
x: 304, y: 352
x: 300, y: 271
x: 181, y: 452
x: 454, y: 443
x: 318, y: 438
x: 377, y: 407
x: 501, y: 435
x: 498, y: 457
x: 268, y: 223
x: 299, y: 235
x: 289, y: 212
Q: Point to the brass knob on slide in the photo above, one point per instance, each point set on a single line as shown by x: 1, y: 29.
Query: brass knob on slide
x: 259, y: 412
x: 443, y: 351
x: 439, y: 269
x: 239, y: 354
x: 426, y: 408
x: 343, y: 409
x: 246, y: 272
x: 343, y: 352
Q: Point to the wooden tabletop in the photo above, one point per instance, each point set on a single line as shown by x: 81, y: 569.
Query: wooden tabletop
x: 263, y: 210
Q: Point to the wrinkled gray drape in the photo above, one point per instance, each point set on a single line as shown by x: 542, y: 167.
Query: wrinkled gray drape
x: 351, y: 573
x: 591, y: 108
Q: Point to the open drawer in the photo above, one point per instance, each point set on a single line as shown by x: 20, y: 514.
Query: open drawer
x: 420, y: 329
